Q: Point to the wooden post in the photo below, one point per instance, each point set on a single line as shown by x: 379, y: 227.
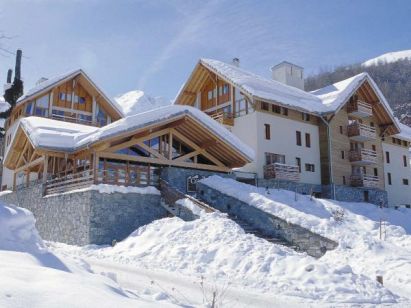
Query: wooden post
x: 45, y: 169
x: 95, y: 167
x: 170, y: 146
x: 93, y: 110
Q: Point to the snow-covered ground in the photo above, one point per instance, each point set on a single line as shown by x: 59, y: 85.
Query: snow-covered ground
x: 32, y: 276
x: 184, y: 263
x: 389, y: 57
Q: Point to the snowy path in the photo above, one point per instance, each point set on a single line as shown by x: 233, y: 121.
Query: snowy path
x: 186, y: 290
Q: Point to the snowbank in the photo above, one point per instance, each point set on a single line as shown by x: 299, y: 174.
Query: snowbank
x: 31, y: 276
x: 215, y: 247
x: 194, y: 208
x: 137, y: 101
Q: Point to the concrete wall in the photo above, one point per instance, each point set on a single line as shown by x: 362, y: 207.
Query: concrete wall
x: 398, y: 193
x: 301, y: 188
x: 87, y: 217
x: 270, y: 225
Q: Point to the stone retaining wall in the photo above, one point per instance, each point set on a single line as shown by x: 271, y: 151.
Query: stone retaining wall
x: 268, y: 224
x: 356, y: 194
x: 87, y: 217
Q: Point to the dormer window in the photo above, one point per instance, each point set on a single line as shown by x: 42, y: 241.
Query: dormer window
x: 42, y: 106
x: 29, y: 109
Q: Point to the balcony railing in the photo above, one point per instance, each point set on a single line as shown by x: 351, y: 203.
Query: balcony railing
x: 359, y: 109
x: 225, y: 118
x: 360, y: 132
x: 362, y: 157
x: 362, y: 180
x: 282, y: 172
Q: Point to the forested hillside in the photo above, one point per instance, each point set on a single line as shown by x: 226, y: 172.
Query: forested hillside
x: 394, y: 80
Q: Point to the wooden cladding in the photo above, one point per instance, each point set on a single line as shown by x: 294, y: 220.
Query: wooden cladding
x: 359, y: 108
x: 282, y: 172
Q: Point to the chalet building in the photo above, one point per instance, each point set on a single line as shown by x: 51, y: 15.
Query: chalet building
x: 67, y: 133
x: 341, y: 141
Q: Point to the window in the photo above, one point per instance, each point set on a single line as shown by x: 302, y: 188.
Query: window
x: 210, y: 95
x: 310, y: 167
x: 42, y: 106
x: 342, y: 154
x: 298, y: 137
x: 220, y: 90
x: 305, y: 116
x: 276, y: 109
x: 405, y: 181
x: 387, y: 157
x: 344, y: 181
x: 285, y: 111
x: 341, y: 130
x: 375, y: 171
x: 29, y: 109
x: 405, y: 143
x: 372, y: 124
x: 374, y: 148
x: 298, y: 162
x: 307, y: 140
x: 389, y: 178
x: 225, y: 89
x: 62, y: 96
x: 267, y: 131
x: 272, y: 158
x: 404, y: 159
x: 83, y: 118
x: 82, y: 100
x: 101, y: 116
x: 264, y: 106
x: 58, y: 114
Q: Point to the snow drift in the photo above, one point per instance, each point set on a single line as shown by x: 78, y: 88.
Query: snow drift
x: 137, y: 101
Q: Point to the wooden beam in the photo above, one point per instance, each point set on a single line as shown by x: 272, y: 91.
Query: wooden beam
x: 151, y: 151
x: 29, y: 165
x: 189, y: 155
x: 157, y: 161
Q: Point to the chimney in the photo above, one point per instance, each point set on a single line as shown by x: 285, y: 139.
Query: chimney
x: 236, y: 62
x: 289, y: 74
x: 17, y: 74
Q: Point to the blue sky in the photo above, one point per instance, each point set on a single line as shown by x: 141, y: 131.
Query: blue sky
x: 154, y: 45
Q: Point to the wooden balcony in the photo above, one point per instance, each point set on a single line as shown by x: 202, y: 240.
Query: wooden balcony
x: 225, y: 118
x: 362, y: 180
x: 282, y: 172
x: 359, y: 109
x: 360, y: 132
x: 362, y: 157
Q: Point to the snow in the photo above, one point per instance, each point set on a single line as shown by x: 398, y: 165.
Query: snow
x: 216, y: 248
x: 266, y: 89
x: 109, y: 189
x: 405, y: 131
x: 194, y: 208
x: 32, y: 276
x: 137, y: 101
x: 58, y: 135
x: 389, y: 57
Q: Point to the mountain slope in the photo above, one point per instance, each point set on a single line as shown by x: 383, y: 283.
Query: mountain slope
x: 137, y: 101
x: 391, y: 72
x: 389, y: 57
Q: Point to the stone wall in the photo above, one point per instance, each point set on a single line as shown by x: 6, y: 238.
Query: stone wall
x: 87, y: 217
x: 356, y: 194
x: 268, y: 224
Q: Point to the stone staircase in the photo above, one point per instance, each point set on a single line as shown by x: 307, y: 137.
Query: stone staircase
x: 252, y: 230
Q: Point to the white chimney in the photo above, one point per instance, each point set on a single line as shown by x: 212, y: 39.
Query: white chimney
x: 289, y: 74
x: 236, y: 62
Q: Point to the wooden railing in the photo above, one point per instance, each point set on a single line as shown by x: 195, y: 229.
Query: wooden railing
x: 67, y: 182
x: 360, y: 108
x: 362, y: 180
x: 361, y: 131
x: 225, y: 118
x: 282, y: 172
x: 72, y: 119
x: 363, y: 156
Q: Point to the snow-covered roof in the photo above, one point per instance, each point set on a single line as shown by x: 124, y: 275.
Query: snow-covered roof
x: 405, y: 132
x: 69, y: 137
x: 4, y: 106
x: 264, y: 88
x: 137, y: 101
x: 47, y: 84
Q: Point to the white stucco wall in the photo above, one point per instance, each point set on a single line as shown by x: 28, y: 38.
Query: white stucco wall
x: 398, y: 193
x: 251, y: 130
